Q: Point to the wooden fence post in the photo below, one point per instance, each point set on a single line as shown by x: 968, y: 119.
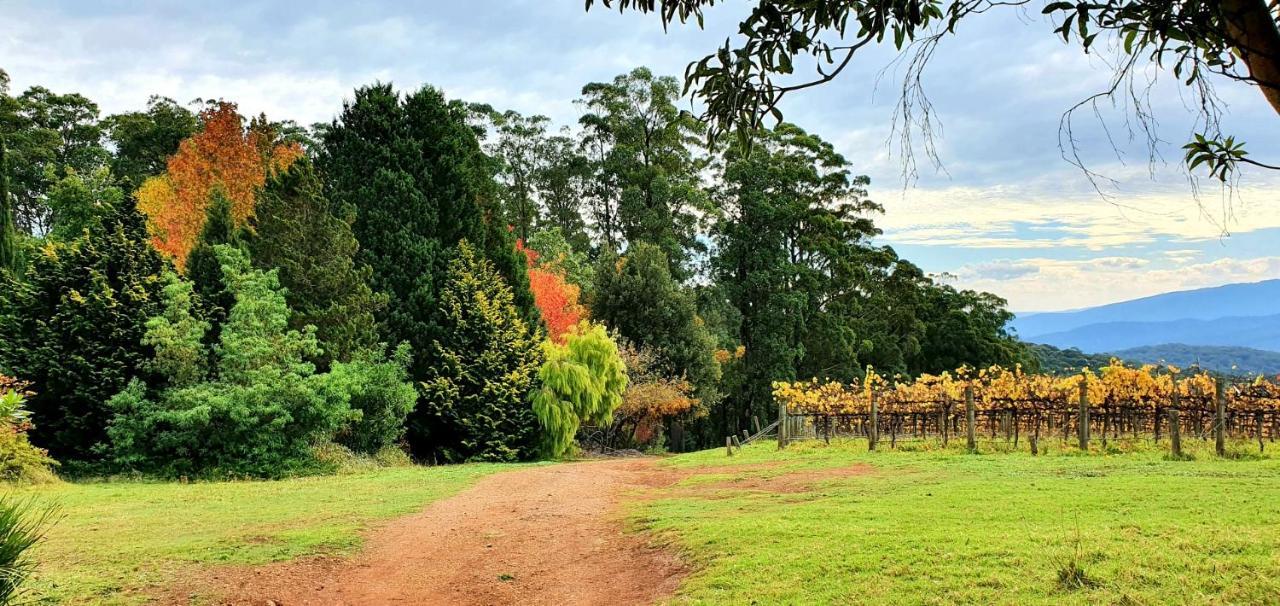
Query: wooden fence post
x: 1175, y: 423
x: 746, y: 435
x: 1083, y: 423
x: 968, y: 418
x: 873, y: 435
x: 1220, y: 419
x: 728, y: 445
x: 1035, y: 436
x: 1257, y: 417
x: 782, y: 425
x: 755, y: 422
x: 945, y: 419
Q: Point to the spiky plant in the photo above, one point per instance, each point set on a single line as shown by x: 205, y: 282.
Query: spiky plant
x: 22, y: 525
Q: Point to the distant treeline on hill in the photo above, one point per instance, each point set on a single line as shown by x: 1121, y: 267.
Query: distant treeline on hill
x: 1238, y: 361
x: 1058, y: 361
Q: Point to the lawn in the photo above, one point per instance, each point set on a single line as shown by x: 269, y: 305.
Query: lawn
x: 117, y: 541
x: 945, y: 527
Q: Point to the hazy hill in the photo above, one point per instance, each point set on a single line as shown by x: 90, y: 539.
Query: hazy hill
x: 1232, y: 300
x: 1255, y: 332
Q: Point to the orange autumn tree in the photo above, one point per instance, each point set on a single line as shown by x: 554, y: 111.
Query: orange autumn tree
x: 223, y: 155
x: 555, y: 297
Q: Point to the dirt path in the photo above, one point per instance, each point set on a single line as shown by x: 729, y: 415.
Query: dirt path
x: 544, y: 535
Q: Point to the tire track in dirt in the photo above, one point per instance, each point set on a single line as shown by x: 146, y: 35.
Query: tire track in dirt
x: 548, y: 535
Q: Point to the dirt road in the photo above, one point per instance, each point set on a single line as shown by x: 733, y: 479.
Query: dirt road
x: 548, y: 535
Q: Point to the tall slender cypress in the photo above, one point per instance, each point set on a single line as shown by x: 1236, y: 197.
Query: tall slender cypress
x: 8, y: 234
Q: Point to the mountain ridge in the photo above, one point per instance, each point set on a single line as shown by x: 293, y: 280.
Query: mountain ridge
x: 1243, y: 299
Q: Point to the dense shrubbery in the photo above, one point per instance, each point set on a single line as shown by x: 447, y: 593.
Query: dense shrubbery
x: 258, y: 411
x: 651, y: 400
x: 380, y: 394
x: 19, y: 460
x: 73, y: 328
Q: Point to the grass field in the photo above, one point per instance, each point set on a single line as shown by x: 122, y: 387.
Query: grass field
x: 948, y: 527
x: 118, y: 540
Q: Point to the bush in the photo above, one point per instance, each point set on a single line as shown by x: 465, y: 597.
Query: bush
x: 380, y: 394
x: 651, y: 399
x: 338, y: 459
x: 20, y: 461
x: 216, y: 429
x: 258, y: 415
x: 22, y: 525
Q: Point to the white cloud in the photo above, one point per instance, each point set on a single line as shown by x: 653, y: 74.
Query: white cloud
x: 1033, y: 215
x: 1040, y: 284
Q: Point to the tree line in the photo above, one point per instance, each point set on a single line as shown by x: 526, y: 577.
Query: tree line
x: 187, y: 290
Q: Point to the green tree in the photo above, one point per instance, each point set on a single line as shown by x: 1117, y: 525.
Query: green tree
x: 143, y: 141
x: 79, y: 202
x: 563, y: 181
x: 47, y: 134
x: 1197, y: 40
x: 581, y: 381
x: 518, y: 144
x: 637, y: 296
x: 10, y: 260
x: 296, y: 232
x: 177, y: 336
x: 74, y: 328
x: 792, y: 248
x: 204, y: 268
x: 966, y: 327
x: 474, y: 404
x: 645, y: 165
x: 410, y: 174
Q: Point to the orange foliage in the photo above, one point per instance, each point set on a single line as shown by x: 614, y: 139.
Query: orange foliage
x: 557, y: 300
x: 222, y: 156
x: 555, y: 297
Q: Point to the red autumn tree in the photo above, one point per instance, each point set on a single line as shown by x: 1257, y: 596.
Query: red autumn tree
x: 222, y: 155
x: 555, y: 297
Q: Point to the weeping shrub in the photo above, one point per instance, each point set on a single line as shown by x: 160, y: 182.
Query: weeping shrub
x: 581, y: 381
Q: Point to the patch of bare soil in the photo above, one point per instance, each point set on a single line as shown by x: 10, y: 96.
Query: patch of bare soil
x: 545, y: 535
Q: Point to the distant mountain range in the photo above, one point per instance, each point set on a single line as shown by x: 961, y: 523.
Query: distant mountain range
x: 1260, y: 332
x: 1232, y: 328
x: 1233, y: 300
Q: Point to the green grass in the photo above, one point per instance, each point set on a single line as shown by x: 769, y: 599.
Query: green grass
x: 116, y: 541
x: 944, y: 527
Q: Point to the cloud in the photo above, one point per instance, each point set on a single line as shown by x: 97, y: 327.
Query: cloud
x: 1039, y: 284
x: 1032, y: 215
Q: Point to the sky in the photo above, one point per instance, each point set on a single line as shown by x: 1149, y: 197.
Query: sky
x: 1004, y: 212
